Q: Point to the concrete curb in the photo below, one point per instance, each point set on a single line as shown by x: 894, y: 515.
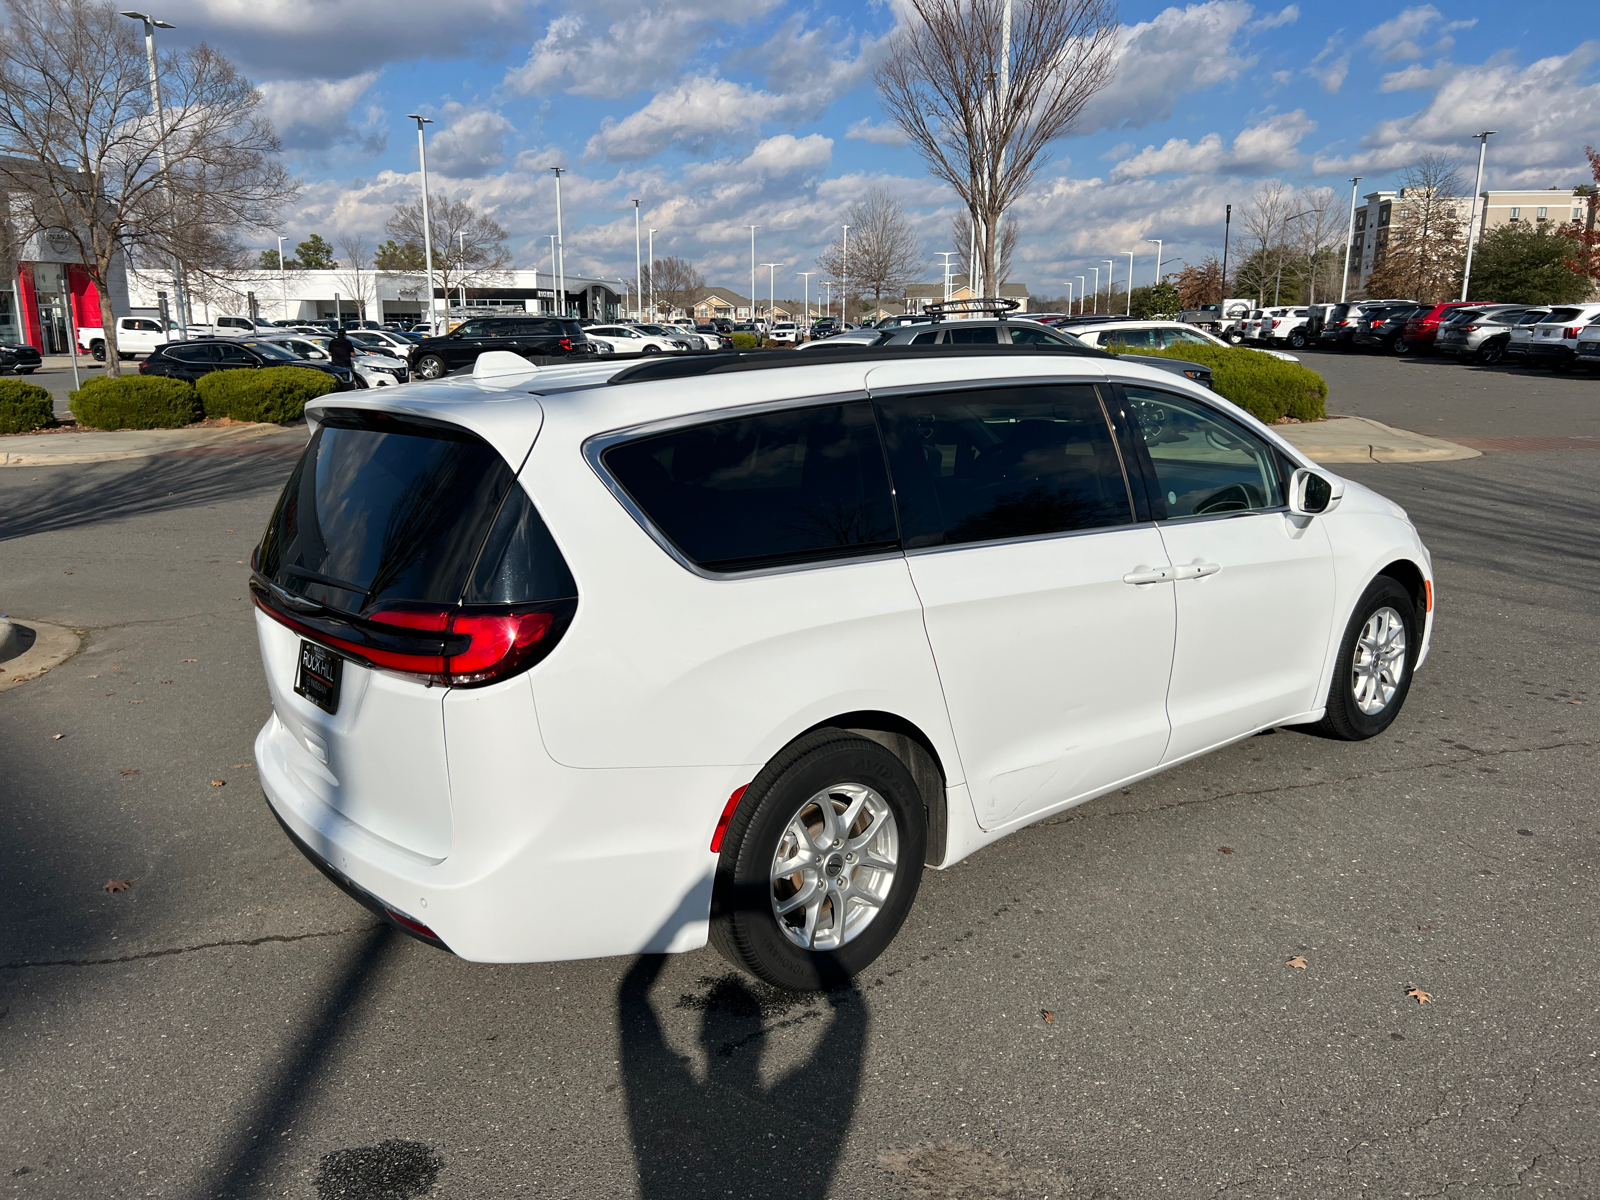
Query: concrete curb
x: 1360, y: 440
x: 52, y: 646
x: 92, y: 446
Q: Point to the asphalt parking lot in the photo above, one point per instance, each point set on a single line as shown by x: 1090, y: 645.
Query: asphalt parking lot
x: 1098, y: 1006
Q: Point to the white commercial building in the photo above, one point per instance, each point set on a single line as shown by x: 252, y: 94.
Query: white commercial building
x: 374, y: 295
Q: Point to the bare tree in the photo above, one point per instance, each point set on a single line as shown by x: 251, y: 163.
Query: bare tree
x: 1420, y: 253
x: 673, y: 281
x: 356, y: 277
x: 981, y: 124
x: 1319, y: 237
x: 883, y: 248
x: 1265, y: 222
x: 81, y: 154
x: 469, y: 247
x: 1005, y: 247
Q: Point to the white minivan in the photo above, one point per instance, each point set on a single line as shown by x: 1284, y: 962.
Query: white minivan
x: 613, y: 658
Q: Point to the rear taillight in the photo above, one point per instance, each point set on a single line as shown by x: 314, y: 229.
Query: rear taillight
x: 451, y: 647
x: 1571, y: 332
x: 565, y: 344
x: 1469, y: 328
x: 1275, y: 324
x: 143, y: 366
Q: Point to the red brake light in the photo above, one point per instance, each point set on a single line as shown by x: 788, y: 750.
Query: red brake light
x: 434, y: 620
x: 1571, y: 332
x: 727, y: 816
x: 565, y: 343
x: 499, y: 643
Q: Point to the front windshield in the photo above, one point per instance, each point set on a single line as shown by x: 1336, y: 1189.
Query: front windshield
x: 271, y: 350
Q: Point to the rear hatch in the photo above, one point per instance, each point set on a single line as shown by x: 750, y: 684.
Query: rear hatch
x: 402, y: 559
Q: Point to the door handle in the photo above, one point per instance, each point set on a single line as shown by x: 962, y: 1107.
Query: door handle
x: 1144, y: 574
x: 1198, y: 569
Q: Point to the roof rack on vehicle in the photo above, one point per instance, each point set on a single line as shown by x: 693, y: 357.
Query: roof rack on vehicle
x: 718, y: 362
x: 981, y: 306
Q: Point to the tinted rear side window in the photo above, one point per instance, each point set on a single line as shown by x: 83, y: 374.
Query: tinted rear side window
x: 1002, y: 463
x: 771, y: 490
x: 383, y: 510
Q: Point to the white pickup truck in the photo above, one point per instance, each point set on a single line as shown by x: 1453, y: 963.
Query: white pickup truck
x: 135, y: 335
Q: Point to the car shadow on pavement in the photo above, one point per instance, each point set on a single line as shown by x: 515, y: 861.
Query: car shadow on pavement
x: 74, y: 496
x: 725, y: 1131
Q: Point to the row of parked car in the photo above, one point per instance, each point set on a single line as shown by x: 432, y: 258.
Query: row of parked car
x: 1560, y: 337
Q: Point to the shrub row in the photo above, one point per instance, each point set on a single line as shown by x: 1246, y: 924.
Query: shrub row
x: 744, y: 341
x: 23, y: 406
x: 1266, y: 387
x: 277, y: 394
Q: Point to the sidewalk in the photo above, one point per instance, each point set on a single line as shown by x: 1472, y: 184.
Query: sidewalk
x: 60, y: 448
x: 1359, y: 440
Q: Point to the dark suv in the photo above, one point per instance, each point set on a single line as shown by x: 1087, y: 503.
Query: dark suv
x: 545, y: 337
x: 1380, y: 328
x: 192, y: 360
x: 24, y: 360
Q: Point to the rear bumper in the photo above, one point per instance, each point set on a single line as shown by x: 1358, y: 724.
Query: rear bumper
x: 1542, y: 350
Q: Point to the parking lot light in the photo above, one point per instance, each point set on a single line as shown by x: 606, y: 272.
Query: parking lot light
x: 1472, y: 225
x: 427, y: 220
x: 1349, y: 240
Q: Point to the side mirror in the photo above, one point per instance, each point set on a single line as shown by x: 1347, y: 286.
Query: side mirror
x: 1312, y: 493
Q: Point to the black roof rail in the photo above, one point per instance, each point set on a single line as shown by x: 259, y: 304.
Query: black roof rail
x: 721, y: 362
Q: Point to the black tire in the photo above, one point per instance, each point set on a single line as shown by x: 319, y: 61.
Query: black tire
x: 1297, y: 340
x: 744, y: 927
x: 1344, y: 718
x: 1234, y: 337
x: 1491, y: 352
x: 1401, y: 346
x: 651, y: 350
x: 98, y: 351
x: 430, y: 366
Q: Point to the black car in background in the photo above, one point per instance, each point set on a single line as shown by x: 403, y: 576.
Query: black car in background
x: 24, y: 360
x: 191, y: 360
x: 530, y: 336
x: 1380, y: 328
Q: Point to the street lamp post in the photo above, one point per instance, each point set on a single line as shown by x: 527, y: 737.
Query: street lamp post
x: 560, y: 263
x: 1081, y: 282
x: 1096, y: 292
x: 1477, y: 193
x: 283, y: 279
x: 1109, y: 273
x: 1227, y: 229
x: 1157, y: 241
x: 1069, y: 297
x: 653, y: 233
x: 807, y: 275
x: 638, y: 268
x: 179, y: 285
x: 844, y: 277
x: 947, y: 255
x: 427, y: 220
x: 772, y: 291
x: 1130, y: 283
x: 753, y: 229
x: 1349, y: 240
x: 461, y: 243
x: 827, y: 298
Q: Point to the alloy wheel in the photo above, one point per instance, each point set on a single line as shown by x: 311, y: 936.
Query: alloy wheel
x: 834, y: 866
x: 430, y: 366
x: 1379, y: 661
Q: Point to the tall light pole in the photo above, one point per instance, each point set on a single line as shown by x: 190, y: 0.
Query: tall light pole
x: 807, y: 275
x: 844, y: 278
x: 1081, y: 282
x: 1477, y: 192
x: 1110, y: 263
x: 638, y: 268
x: 179, y: 288
x: 561, y: 249
x: 1349, y: 240
x: 283, y: 279
x: 1096, y: 292
x: 427, y: 220
x: 1069, y: 297
x: 653, y: 233
x: 1157, y: 241
x: 772, y: 290
x: 1227, y: 230
x: 1130, y: 283
x: 827, y: 302
x: 753, y: 229
x: 947, y: 255
x: 461, y: 243
x: 552, y: 238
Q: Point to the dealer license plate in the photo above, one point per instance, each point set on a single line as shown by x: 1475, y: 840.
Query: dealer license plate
x: 318, y: 676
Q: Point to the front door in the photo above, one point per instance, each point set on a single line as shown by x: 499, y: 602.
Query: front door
x: 1022, y: 542
x: 1254, y: 584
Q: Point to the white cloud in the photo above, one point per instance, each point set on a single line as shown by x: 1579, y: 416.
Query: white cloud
x: 471, y: 145
x: 1545, y: 111
x: 1417, y: 77
x: 1329, y: 69
x: 1182, y: 50
x: 786, y: 154
x: 314, y: 114
x: 1395, y: 39
x: 693, y: 116
x: 1285, y: 16
x: 642, y: 48
x: 880, y: 133
x: 1259, y: 150
x: 1282, y: 77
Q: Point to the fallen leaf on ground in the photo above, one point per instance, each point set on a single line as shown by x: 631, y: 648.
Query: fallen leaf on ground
x: 1420, y: 996
x: 111, y: 693
x: 1426, y: 927
x: 230, y: 531
x: 66, y: 572
x: 56, y: 737
x: 135, y: 701
x: 1298, y: 962
x: 130, y: 770
x: 118, y: 885
x: 236, y: 766
x: 218, y: 783
x: 1049, y: 1017
x: 191, y: 660
x: 94, y: 677
x: 1224, y: 849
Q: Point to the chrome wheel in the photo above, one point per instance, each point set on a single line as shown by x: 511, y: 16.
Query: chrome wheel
x: 1379, y: 661
x: 430, y: 366
x: 834, y: 866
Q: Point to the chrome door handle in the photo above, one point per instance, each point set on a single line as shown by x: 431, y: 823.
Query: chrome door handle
x: 1198, y: 569
x: 1144, y: 574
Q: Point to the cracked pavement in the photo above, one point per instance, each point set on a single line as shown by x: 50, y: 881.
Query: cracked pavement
x: 233, y: 1026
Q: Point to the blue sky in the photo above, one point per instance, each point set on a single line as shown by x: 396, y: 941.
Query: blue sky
x: 769, y: 117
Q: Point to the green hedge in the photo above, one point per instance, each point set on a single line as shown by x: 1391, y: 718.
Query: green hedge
x: 269, y: 394
x: 134, y: 402
x: 24, y: 406
x: 1266, y: 387
x: 744, y: 341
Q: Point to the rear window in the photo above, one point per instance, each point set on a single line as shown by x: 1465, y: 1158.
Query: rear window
x: 382, y: 509
x: 777, y: 489
x: 1557, y: 315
